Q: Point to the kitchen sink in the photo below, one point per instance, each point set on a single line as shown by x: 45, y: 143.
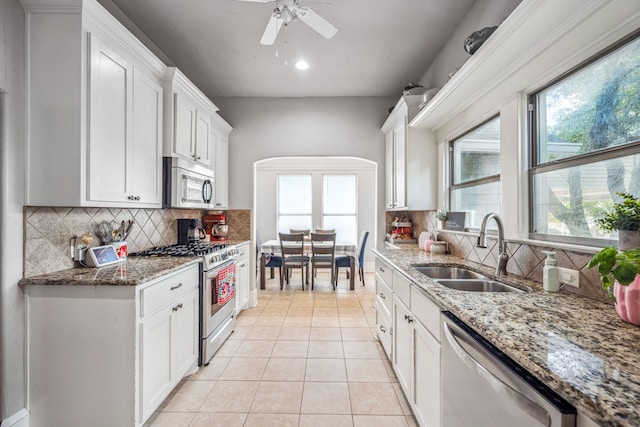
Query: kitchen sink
x: 478, y: 285
x: 444, y: 272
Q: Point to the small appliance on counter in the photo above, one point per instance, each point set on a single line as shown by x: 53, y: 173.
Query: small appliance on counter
x: 215, y: 225
x: 190, y: 231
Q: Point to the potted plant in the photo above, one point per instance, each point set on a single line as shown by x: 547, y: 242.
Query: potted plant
x: 619, y: 275
x: 441, y: 215
x: 625, y: 218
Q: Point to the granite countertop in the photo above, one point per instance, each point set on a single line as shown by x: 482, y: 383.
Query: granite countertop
x: 578, y: 347
x: 135, y: 271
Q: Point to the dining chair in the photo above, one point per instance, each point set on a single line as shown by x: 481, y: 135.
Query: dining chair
x: 306, y: 232
x: 323, y: 255
x: 324, y: 230
x: 272, y: 261
x: 292, y: 250
x: 345, y: 261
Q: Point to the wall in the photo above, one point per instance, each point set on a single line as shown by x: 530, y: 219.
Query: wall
x: 281, y: 127
x: 12, y: 347
x: 483, y: 13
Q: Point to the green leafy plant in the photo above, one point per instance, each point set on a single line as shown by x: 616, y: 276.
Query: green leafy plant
x: 615, y: 265
x: 442, y: 214
x: 624, y: 216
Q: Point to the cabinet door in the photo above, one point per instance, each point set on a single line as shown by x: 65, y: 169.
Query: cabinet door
x: 222, y: 170
x: 184, y: 335
x: 242, y: 284
x: 400, y: 164
x: 155, y: 361
x: 110, y: 81
x: 184, y: 122
x: 426, y: 377
x: 144, y: 165
x: 402, y: 358
x: 204, y: 145
x: 389, y: 175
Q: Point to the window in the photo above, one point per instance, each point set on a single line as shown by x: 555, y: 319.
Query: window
x: 475, y: 172
x: 294, y: 203
x: 339, y: 200
x: 337, y: 208
x: 585, y: 132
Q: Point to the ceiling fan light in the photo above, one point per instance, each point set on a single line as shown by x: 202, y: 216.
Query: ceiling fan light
x: 301, y: 65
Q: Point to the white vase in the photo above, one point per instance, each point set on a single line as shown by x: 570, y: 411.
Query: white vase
x: 628, y: 239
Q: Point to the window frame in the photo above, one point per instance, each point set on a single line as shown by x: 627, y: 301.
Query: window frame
x: 534, y: 168
x: 475, y: 182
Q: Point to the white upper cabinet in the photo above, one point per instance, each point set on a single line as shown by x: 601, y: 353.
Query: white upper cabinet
x: 189, y: 116
x: 411, y: 162
x: 220, y: 135
x: 95, y: 118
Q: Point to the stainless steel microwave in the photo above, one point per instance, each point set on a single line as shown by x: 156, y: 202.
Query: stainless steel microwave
x: 186, y: 185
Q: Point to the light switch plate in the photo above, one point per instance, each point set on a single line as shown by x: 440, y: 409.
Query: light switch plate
x: 569, y: 277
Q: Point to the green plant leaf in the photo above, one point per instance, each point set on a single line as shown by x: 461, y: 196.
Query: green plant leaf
x: 625, y: 273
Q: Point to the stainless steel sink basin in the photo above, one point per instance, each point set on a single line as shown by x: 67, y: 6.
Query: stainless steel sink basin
x: 444, y: 272
x: 478, y: 285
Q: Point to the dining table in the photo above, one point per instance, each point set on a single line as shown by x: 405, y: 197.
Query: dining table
x: 273, y: 247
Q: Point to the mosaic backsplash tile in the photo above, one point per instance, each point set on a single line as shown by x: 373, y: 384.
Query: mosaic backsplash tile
x: 48, y: 231
x: 525, y: 260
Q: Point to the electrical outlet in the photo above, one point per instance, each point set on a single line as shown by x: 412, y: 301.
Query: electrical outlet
x: 569, y: 277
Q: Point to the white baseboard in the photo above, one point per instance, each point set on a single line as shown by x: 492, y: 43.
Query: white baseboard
x: 253, y: 298
x: 19, y: 419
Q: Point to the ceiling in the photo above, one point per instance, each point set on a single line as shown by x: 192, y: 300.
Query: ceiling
x: 380, y: 47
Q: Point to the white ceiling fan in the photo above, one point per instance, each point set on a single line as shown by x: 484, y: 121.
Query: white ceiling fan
x: 290, y: 10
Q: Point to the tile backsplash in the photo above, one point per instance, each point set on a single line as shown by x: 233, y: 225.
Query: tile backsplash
x: 48, y: 231
x: 525, y: 260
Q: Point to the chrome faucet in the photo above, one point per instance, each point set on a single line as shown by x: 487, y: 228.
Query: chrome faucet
x: 501, y: 269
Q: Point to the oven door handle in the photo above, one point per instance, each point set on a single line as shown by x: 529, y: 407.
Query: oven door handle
x: 518, y: 399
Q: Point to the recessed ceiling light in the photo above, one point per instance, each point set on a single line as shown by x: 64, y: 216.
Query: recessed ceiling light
x: 301, y: 64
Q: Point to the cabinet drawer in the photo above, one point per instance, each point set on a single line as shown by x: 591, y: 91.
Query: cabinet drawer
x: 383, y: 329
x: 383, y: 296
x: 427, y: 312
x: 243, y: 252
x: 169, y: 289
x: 402, y: 288
x: 383, y: 271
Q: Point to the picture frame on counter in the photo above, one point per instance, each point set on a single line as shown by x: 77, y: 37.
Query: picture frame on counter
x: 455, y: 221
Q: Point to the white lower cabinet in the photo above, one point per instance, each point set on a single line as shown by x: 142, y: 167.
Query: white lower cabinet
x: 168, y: 347
x: 109, y: 355
x: 414, y: 340
x: 242, y: 278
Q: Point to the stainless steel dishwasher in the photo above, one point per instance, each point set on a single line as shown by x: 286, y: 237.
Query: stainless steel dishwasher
x: 483, y: 387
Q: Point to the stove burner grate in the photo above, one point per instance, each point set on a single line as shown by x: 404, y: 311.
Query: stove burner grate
x: 191, y: 249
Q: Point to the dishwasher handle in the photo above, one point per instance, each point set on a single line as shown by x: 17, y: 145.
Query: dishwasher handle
x: 530, y: 407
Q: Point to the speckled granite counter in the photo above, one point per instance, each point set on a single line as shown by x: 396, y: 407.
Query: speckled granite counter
x: 577, y: 346
x: 135, y: 271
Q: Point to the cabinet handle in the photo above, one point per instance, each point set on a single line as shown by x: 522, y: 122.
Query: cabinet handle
x: 177, y: 307
x: 179, y: 285
x: 382, y: 296
x: 198, y: 158
x: 381, y: 269
x: 408, y: 318
x: 383, y: 329
x: 133, y: 197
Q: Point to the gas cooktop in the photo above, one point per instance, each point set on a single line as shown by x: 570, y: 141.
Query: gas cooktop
x: 191, y: 249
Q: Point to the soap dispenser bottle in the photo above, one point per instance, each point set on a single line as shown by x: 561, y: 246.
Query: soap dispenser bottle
x: 550, y: 273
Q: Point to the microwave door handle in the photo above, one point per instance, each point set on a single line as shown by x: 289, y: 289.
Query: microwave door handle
x: 207, y: 191
x: 527, y: 405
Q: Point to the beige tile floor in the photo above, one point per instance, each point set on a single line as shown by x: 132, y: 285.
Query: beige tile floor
x: 299, y: 358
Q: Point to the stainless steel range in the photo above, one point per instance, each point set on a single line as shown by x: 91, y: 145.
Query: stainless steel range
x: 217, y: 290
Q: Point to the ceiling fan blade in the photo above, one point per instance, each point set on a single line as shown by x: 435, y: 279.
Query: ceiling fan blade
x: 272, y: 30
x: 316, y: 22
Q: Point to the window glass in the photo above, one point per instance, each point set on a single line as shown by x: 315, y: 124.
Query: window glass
x: 586, y: 149
x: 595, y: 108
x: 339, y: 201
x: 475, y: 173
x: 294, y: 202
x: 476, y: 155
